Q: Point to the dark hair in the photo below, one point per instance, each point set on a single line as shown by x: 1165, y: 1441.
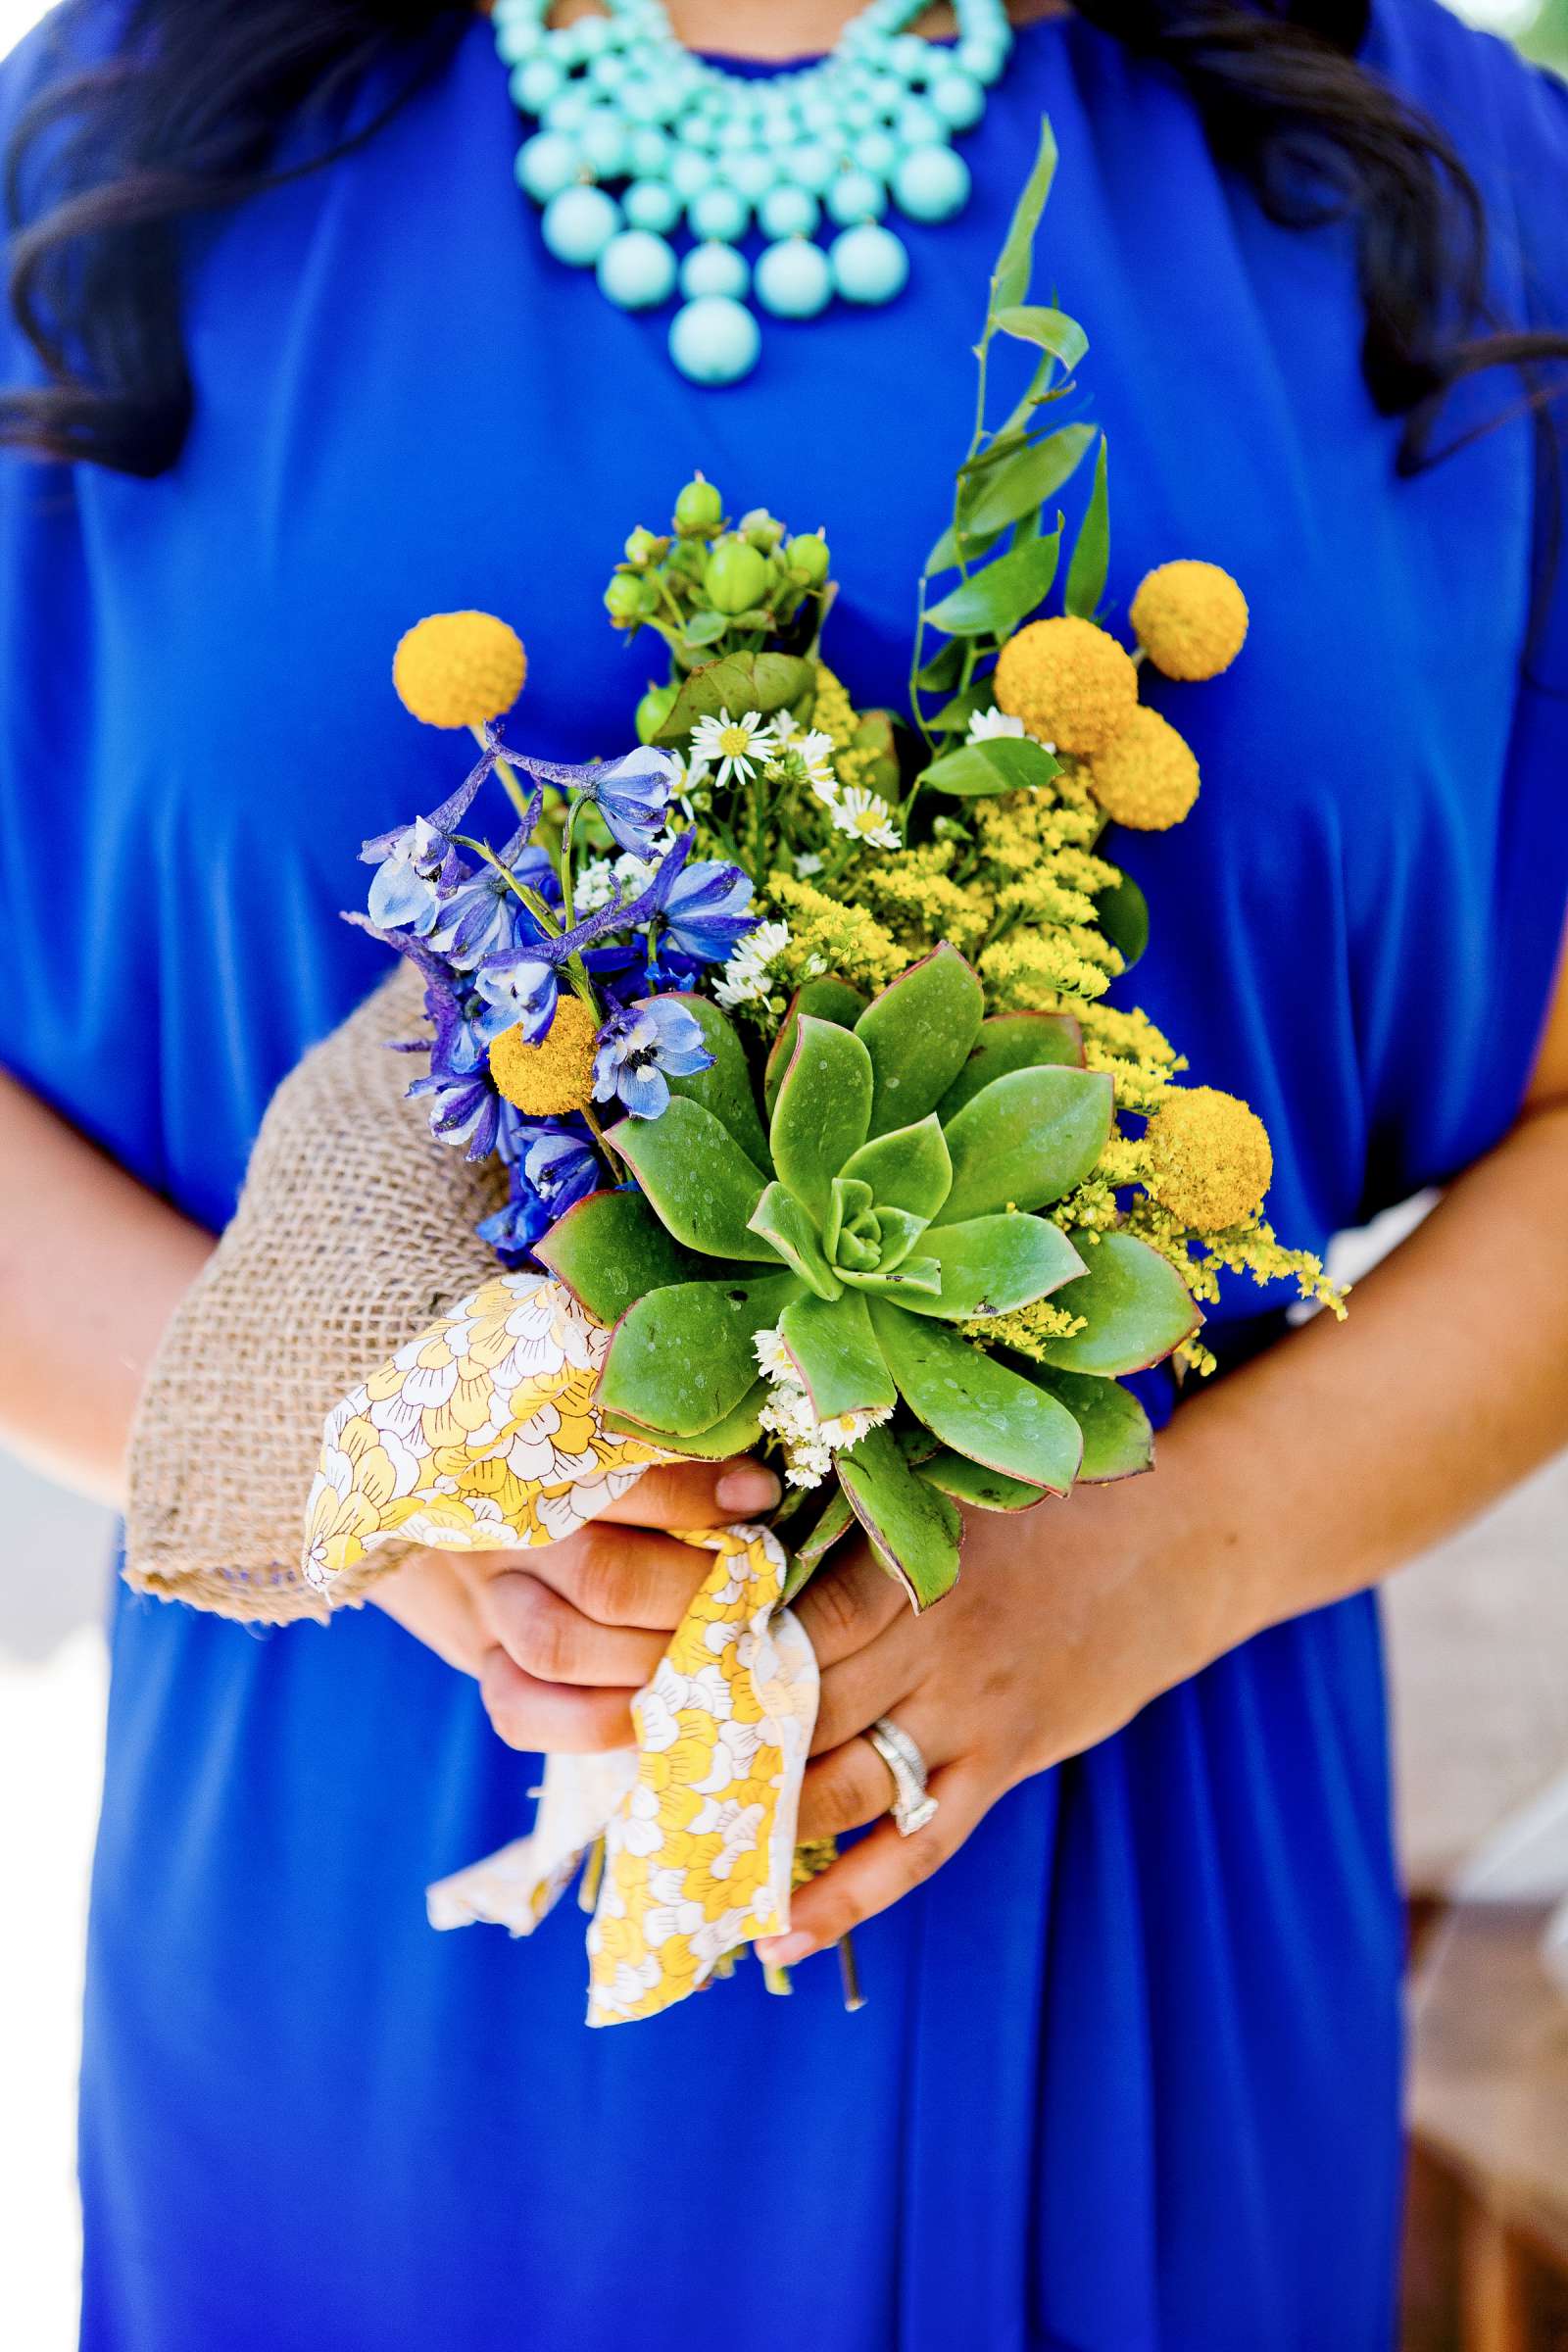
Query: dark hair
x: 186, y: 116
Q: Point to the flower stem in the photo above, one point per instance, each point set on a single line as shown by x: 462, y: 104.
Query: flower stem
x: 513, y: 790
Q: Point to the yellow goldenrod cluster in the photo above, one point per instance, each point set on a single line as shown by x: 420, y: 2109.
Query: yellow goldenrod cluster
x: 1026, y: 1329
x: 916, y: 895
x: 556, y: 1076
x: 1034, y: 971
x: 1207, y: 1158
x: 1139, y: 1060
x: 854, y: 761
x: 826, y: 936
x: 1189, y: 618
x: 459, y: 669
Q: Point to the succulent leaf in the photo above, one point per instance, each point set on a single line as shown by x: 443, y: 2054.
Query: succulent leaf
x: 724, y: 1088
x: 991, y: 1265
x: 1118, y: 1442
x: 878, y: 1243
x: 971, y: 1482
x: 1024, y: 1140
x: 975, y: 1405
x: 836, y: 1520
x: 734, y: 1432
x: 828, y: 1000
x: 702, y: 1185
x: 1137, y: 1309
x: 681, y: 1359
x: 918, y: 1033
x: 823, y: 1113
x: 1013, y: 1041
x: 917, y: 1277
x: 835, y: 1351
x: 610, y: 1250
x: 780, y: 1219
x: 906, y: 1168
x: 915, y: 1530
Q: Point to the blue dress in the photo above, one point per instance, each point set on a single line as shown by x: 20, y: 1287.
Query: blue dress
x: 1128, y: 2076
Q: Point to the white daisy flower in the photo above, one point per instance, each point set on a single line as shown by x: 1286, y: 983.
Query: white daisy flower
x: 746, y: 977
x: 773, y: 1356
x: 739, y: 744
x: 807, y: 863
x: 986, y: 725
x: 847, y: 1429
x: 866, y: 816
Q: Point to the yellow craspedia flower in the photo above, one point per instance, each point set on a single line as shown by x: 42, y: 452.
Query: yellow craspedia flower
x: 1148, y: 778
x: 1191, y: 618
x: 1070, y: 684
x: 457, y: 669
x: 1207, y: 1158
x: 555, y: 1076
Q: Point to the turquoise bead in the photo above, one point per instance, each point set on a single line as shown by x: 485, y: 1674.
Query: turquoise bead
x: 909, y: 57
x: 516, y: 40
x: 534, y: 83
x: 812, y: 165
x: 603, y: 143
x: 877, y: 151
x: 788, y: 212
x: 579, y: 224
x: 690, y: 173
x: 637, y: 269
x: 545, y: 164
x: 651, y: 204
x: 714, y: 340
x: 918, y: 125
x: 752, y: 173
x: 718, y: 213
x: 714, y: 269
x: 856, y: 196
x: 609, y: 72
x: 793, y: 280
x: 870, y: 263
x: 647, y: 153
x: 932, y: 184
x: 984, y: 59
x: 958, y: 98
x: 569, y: 109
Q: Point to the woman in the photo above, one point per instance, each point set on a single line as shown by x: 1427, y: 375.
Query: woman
x: 1127, y: 2081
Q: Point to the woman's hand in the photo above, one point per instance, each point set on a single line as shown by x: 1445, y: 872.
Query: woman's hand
x: 1063, y: 1623
x: 560, y: 1639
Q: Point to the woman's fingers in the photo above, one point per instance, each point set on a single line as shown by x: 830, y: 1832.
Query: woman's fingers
x: 848, y: 1605
x: 883, y: 1867
x: 847, y: 1784
x: 696, y: 1494
x: 555, y: 1717
x: 865, y: 1684
x: 621, y: 1575
x: 551, y: 1639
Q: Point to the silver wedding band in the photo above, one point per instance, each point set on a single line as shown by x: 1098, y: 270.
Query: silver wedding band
x: 913, y: 1804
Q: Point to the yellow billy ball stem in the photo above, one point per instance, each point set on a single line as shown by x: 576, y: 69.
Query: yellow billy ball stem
x: 1189, y: 618
x: 1208, y: 1159
x: 459, y: 669
x: 555, y: 1076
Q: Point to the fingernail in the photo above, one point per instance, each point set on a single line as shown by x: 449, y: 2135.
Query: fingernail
x: 782, y: 1951
x: 748, y: 1486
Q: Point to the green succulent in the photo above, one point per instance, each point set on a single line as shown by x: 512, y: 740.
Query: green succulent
x: 891, y: 1199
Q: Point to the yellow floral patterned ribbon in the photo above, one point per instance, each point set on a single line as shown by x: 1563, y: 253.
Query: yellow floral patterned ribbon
x: 481, y: 1435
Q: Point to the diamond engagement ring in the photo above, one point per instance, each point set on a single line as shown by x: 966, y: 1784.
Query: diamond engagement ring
x: 912, y: 1807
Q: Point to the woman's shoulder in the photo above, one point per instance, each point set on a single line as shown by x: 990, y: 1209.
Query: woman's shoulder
x: 1508, y: 120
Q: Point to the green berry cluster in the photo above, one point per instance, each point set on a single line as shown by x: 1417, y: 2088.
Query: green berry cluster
x: 710, y: 587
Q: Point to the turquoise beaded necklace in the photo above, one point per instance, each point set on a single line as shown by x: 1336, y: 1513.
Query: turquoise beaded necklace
x: 638, y: 142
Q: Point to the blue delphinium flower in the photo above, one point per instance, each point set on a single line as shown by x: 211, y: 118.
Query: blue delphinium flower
x: 553, y: 1171
x: 632, y: 795
x: 641, y: 1047
x: 484, y: 915
x: 466, y: 1108
x: 525, y: 981
x: 417, y: 866
x: 709, y: 909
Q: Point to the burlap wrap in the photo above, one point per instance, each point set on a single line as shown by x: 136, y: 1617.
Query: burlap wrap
x: 354, y: 1231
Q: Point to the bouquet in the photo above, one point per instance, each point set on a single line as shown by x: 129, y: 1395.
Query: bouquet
x: 785, y: 1034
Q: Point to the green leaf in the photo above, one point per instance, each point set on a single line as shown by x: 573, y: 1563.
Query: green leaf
x: 836, y: 1520
x: 917, y: 1277
x: 991, y: 602
x: 1013, y: 1041
x: 736, y: 682
x: 1049, y: 330
x: 610, y: 1250
x: 1090, y: 555
x: 826, y: 999
x: 1118, y: 1440
x: 918, y: 1033
x: 972, y: 1483
x: 681, y: 1359
x: 734, y: 1432
x: 954, y: 717
x: 914, y: 1530
x: 1035, y: 395
x: 835, y: 1353
x: 1023, y: 481
x: 824, y: 1109
x: 780, y: 1219
x: 1009, y: 281
x: 706, y: 628
x: 948, y: 553
x: 1002, y: 763
x: 1122, y: 913
x: 906, y: 1168
x: 1137, y: 1309
x: 1026, y: 1138
x: 701, y: 1184
x: 991, y: 1265
x: 725, y: 1089
x: 943, y: 670
x: 976, y: 1405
